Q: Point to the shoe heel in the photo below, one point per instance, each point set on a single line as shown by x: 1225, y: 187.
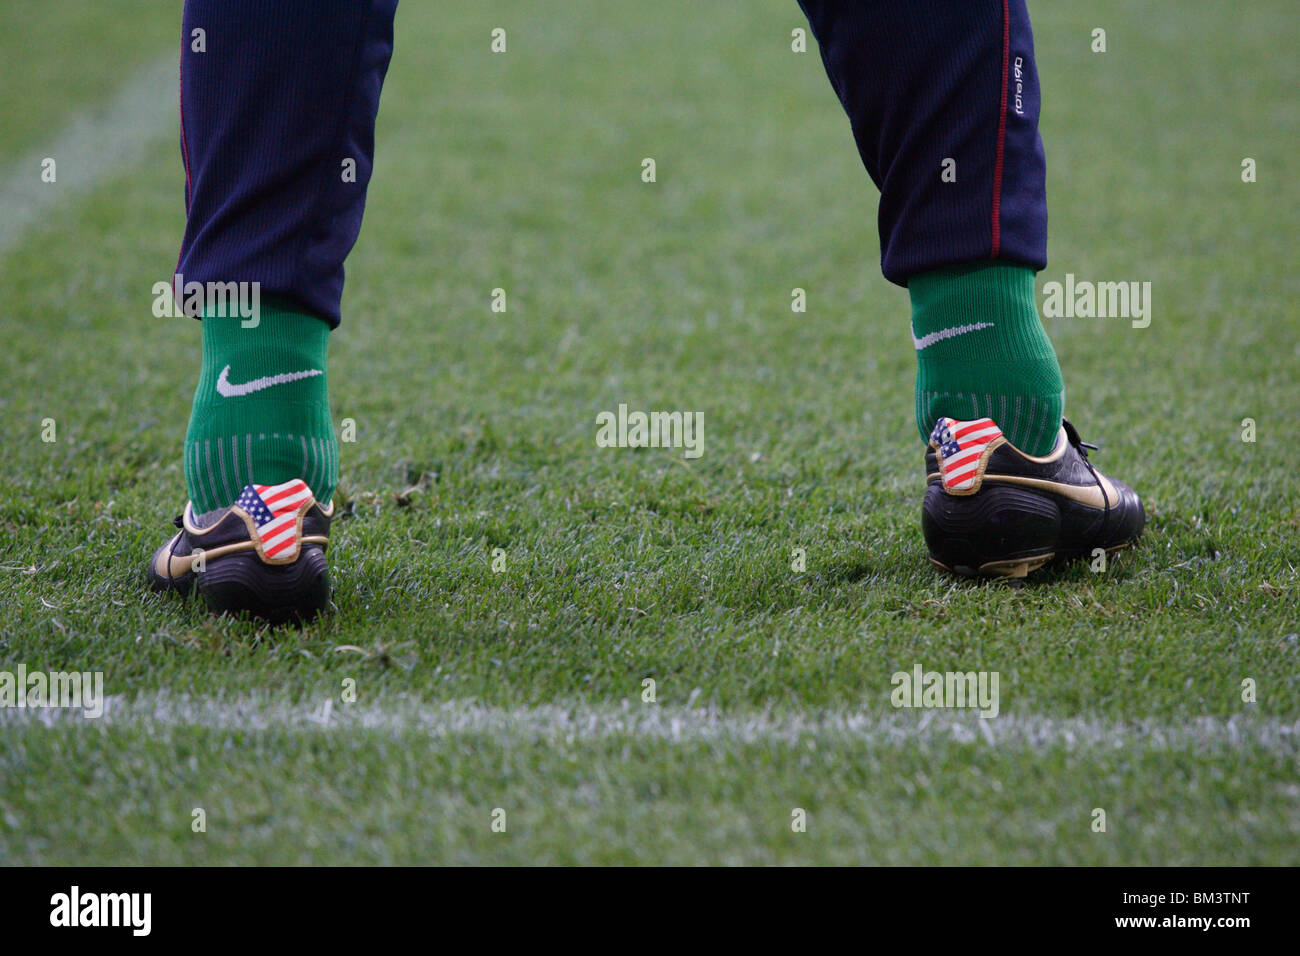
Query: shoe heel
x: 1000, y: 531
x: 243, y: 584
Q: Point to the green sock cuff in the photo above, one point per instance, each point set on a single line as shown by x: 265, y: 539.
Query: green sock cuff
x: 982, y: 351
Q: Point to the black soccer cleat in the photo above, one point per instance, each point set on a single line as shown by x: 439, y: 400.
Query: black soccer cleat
x: 263, y: 556
x: 992, y: 510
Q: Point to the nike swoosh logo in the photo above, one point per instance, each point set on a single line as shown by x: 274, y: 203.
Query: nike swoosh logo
x: 927, y: 340
x: 171, y: 565
x: 1089, y: 495
x: 227, y: 389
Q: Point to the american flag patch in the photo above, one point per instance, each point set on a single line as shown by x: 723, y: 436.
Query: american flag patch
x: 961, y: 447
x: 274, y: 510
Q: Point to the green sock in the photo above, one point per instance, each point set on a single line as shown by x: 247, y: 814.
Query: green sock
x: 261, y: 410
x: 982, y: 352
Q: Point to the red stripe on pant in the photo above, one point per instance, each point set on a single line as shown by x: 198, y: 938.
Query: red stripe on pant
x: 996, y: 244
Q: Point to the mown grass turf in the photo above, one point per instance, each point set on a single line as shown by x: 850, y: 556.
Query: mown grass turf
x: 63, y: 59
x: 522, y: 171
x: 364, y: 796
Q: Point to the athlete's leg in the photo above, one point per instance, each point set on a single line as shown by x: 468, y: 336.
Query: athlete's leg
x: 943, y: 100
x: 278, y: 106
x: 278, y: 109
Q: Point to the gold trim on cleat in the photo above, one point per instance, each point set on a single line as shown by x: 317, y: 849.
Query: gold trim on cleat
x: 254, y: 542
x: 1062, y: 441
x: 1091, y: 496
x: 1012, y: 568
x: 173, y: 566
x: 1015, y: 567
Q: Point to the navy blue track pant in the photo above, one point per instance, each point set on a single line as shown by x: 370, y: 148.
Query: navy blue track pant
x: 925, y: 81
x: 281, y: 100
x: 942, y: 98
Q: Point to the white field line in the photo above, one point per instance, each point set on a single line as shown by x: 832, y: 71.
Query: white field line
x: 580, y: 723
x: 97, y: 144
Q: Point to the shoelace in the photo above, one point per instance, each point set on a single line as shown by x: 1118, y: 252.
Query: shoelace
x: 179, y: 522
x: 1081, y: 446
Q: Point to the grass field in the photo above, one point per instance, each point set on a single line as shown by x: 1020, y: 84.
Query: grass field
x: 522, y: 689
